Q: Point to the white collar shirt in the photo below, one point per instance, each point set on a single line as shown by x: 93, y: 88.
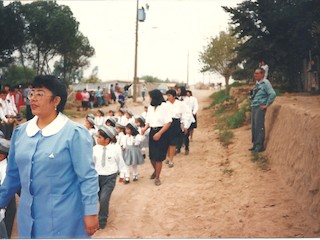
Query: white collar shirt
x: 54, y: 127
x: 113, y: 161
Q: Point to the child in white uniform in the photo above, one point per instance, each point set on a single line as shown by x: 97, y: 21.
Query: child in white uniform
x: 107, y: 157
x: 132, y: 151
x: 99, y: 119
x: 120, y: 141
x: 140, y: 121
x: 90, y: 125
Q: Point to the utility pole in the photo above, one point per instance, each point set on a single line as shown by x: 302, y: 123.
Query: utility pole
x: 135, y: 78
x: 188, y: 69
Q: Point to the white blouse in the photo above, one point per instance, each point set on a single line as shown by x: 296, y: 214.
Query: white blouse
x: 158, y: 116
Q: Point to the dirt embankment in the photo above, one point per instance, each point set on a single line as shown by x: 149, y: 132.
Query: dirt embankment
x: 293, y: 147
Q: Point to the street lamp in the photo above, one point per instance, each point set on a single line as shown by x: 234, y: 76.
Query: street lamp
x: 140, y: 16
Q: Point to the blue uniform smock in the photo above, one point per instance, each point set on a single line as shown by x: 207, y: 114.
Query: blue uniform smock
x: 55, y: 171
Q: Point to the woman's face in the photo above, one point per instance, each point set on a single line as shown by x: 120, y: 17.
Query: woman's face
x: 42, y: 102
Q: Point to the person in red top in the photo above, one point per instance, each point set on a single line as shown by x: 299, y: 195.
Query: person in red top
x: 78, y: 100
x: 18, y: 98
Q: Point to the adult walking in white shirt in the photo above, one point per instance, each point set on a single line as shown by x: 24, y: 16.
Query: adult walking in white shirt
x: 159, y: 122
x: 192, y: 103
x: 178, y: 111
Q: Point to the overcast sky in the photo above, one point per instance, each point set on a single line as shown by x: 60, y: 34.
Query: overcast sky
x: 173, y: 35
x: 172, y: 29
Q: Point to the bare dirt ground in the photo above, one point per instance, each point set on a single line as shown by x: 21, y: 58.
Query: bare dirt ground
x: 214, y: 192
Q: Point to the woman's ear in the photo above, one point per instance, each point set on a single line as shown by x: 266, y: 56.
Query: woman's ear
x: 57, y: 101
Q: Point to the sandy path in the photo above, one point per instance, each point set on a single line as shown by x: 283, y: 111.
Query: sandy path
x: 197, y: 199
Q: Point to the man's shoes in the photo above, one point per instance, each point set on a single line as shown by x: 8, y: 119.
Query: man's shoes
x: 178, y: 151
x: 251, y: 149
x: 167, y: 161
x: 256, y: 150
x: 187, y: 152
x: 135, y: 178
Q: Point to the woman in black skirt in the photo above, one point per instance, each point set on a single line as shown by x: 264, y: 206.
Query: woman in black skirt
x: 159, y: 122
x: 178, y: 112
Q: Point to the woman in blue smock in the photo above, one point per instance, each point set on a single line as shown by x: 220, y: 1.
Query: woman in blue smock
x: 50, y: 158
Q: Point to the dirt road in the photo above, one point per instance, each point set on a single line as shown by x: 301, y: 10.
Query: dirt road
x: 212, y: 192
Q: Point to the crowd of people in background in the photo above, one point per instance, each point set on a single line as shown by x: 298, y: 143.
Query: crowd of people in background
x: 104, y: 96
x: 119, y: 141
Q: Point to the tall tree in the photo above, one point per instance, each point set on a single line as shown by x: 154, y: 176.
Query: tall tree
x: 277, y: 31
x: 218, y: 54
x: 11, y: 32
x: 74, y: 58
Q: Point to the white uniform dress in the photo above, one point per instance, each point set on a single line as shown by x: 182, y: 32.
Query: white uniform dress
x: 132, y: 150
x: 99, y: 121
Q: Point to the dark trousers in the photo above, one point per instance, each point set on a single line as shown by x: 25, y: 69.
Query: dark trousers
x: 257, y: 128
x: 9, y: 216
x: 184, y: 140
x: 3, y: 231
x: 106, y: 186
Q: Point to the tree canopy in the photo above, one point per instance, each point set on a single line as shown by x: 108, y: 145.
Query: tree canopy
x: 283, y: 33
x: 217, y: 56
x: 43, y: 32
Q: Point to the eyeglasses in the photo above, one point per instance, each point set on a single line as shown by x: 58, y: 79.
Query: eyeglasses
x: 37, y: 95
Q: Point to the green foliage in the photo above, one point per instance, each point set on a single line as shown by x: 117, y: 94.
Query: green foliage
x: 225, y: 137
x: 152, y: 79
x: 283, y: 33
x: 11, y: 32
x: 261, y: 161
x: 219, y: 97
x: 43, y: 31
x: 237, y: 84
x: 217, y: 55
x: 237, y: 119
x: 278, y: 91
x: 18, y: 75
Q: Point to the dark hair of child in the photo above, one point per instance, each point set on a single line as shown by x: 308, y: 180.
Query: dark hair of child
x: 105, y: 136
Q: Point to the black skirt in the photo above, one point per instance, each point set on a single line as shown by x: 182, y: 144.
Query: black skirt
x: 194, y: 125
x: 158, y: 149
x: 174, y: 132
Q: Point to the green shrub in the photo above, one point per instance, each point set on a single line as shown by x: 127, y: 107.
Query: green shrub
x: 237, y: 84
x: 219, y: 97
x: 278, y: 91
x: 225, y: 137
x: 261, y: 161
x: 237, y: 119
